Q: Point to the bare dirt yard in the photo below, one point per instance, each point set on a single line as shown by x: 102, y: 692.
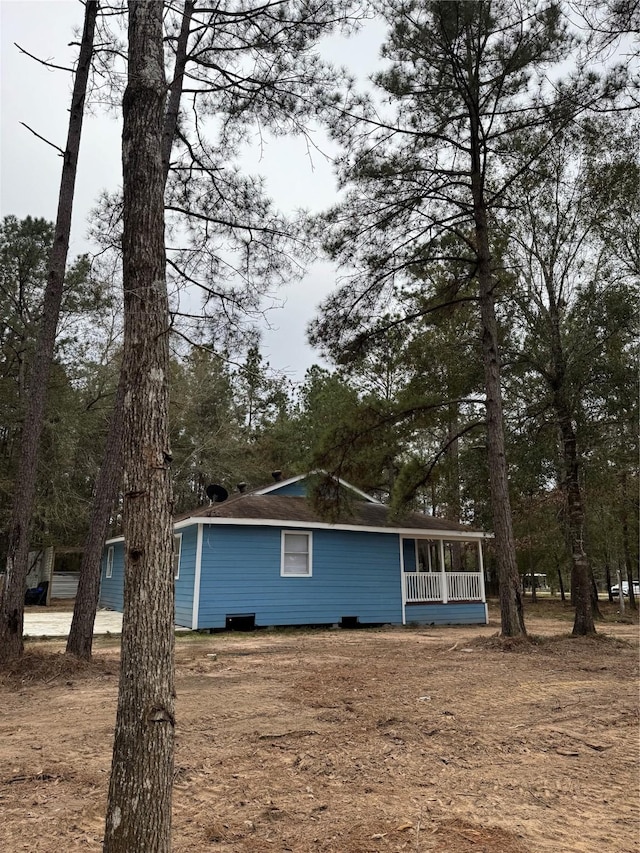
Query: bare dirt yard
x: 349, y: 741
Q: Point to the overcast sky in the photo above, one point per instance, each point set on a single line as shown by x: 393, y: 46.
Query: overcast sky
x: 30, y: 169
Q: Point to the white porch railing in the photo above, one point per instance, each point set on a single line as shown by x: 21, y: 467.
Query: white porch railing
x: 422, y: 586
x: 427, y: 586
x: 464, y: 586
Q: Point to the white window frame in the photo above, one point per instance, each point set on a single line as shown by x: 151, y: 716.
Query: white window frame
x: 177, y: 554
x: 283, y: 538
x: 109, y: 568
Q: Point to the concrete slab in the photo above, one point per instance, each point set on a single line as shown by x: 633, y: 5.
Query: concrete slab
x: 57, y: 623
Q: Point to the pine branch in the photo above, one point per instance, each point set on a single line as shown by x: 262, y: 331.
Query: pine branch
x: 52, y: 144
x: 44, y: 62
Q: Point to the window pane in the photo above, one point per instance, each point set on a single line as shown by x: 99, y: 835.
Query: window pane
x: 296, y: 543
x: 296, y: 557
x: 295, y: 563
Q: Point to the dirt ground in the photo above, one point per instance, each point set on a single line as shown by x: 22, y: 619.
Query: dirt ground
x: 349, y: 741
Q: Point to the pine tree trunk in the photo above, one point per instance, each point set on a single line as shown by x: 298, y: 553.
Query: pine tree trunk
x: 595, y: 600
x: 534, y: 591
x: 563, y: 597
x: 80, y: 640
x: 175, y: 89
x: 511, y: 608
x: 139, y: 805
x: 12, y: 595
x: 626, y: 545
x: 454, y: 503
x: 581, y: 579
x: 580, y: 572
x: 581, y: 591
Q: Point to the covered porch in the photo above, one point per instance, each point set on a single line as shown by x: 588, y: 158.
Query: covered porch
x: 441, y: 571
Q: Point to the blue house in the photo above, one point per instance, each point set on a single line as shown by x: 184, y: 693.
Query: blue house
x: 267, y: 557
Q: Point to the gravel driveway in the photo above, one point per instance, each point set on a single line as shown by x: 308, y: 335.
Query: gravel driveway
x: 46, y: 622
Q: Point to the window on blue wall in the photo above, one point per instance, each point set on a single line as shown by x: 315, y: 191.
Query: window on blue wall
x: 109, y: 571
x: 296, y: 555
x: 177, y: 553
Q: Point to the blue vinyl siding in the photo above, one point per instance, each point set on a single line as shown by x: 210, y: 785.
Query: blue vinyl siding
x: 354, y: 574
x: 472, y: 613
x: 301, y: 489
x: 409, y: 555
x: 112, y: 589
x: 296, y: 490
x: 185, y: 582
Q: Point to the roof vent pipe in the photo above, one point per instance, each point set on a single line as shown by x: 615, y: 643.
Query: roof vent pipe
x: 242, y: 487
x: 277, y: 476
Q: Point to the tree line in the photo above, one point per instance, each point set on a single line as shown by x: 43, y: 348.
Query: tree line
x: 400, y: 417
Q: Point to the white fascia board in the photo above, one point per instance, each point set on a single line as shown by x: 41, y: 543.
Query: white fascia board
x: 179, y: 525
x: 412, y: 532
x: 187, y: 522
x: 362, y: 494
x: 274, y: 486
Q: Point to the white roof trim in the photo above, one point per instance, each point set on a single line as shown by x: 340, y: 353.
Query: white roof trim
x: 274, y: 486
x: 413, y: 532
x: 279, y: 484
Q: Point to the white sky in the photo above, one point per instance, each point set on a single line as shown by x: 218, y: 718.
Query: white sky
x: 30, y: 169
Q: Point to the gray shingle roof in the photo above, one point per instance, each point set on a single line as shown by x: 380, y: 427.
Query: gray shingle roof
x: 289, y: 508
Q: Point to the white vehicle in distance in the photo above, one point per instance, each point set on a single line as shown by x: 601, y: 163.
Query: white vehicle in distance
x: 615, y: 590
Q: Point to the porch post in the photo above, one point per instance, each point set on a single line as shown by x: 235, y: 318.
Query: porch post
x: 481, y: 567
x: 482, y: 589
x: 444, y: 592
x: 196, y: 580
x: 403, y: 584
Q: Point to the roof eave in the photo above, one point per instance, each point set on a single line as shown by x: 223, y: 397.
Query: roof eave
x: 416, y: 532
